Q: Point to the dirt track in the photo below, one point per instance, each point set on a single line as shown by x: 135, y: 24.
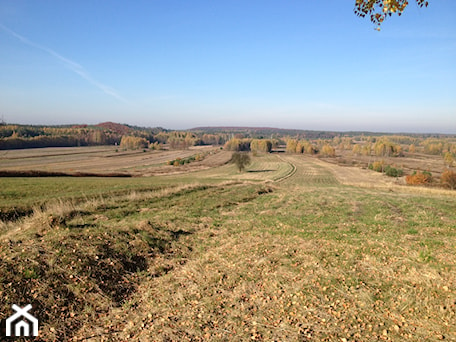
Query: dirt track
x: 314, y: 170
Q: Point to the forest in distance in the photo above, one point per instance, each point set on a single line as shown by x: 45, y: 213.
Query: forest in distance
x: 17, y: 136
x: 418, y: 158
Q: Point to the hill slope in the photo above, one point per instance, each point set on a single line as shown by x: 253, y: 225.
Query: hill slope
x: 239, y: 258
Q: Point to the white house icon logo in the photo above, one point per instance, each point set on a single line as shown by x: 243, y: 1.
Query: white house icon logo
x: 22, y: 326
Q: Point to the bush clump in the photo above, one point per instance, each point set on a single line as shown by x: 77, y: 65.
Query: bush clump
x: 419, y: 178
x: 448, y: 179
x: 377, y: 166
x: 393, y: 172
x: 182, y: 161
x: 389, y: 170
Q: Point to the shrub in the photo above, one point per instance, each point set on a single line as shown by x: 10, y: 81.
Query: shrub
x: 448, y: 179
x: 448, y: 158
x: 182, y: 161
x: 328, y: 151
x: 419, y: 178
x: 377, y: 166
x: 155, y: 146
x: 393, y: 172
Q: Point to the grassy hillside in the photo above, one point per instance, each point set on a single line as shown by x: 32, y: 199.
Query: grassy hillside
x: 283, y: 252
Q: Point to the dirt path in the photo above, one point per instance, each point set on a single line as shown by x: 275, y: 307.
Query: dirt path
x: 318, y: 172
x: 358, y: 177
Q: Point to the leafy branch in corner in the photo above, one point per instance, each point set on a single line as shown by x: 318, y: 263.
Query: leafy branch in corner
x: 379, y: 10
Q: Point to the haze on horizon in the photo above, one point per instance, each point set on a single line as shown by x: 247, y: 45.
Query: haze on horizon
x: 292, y: 64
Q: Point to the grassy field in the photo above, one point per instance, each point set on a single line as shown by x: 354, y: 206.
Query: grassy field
x: 292, y: 249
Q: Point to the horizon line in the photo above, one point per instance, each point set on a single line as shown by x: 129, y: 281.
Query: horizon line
x: 233, y: 128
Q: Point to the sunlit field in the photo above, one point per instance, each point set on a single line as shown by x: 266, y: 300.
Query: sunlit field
x: 291, y: 249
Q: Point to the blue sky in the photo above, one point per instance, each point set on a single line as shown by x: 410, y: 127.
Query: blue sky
x: 180, y: 64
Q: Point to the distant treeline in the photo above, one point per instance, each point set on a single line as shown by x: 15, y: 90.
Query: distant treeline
x: 275, y: 133
x: 18, y: 137
x: 128, y: 137
x: 233, y: 138
x: 52, y: 141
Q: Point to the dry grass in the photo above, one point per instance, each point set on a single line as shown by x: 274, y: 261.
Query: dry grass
x: 306, y: 259
x: 287, y: 276
x: 105, y: 159
x: 249, y: 284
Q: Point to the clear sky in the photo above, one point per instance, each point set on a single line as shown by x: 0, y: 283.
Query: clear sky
x: 303, y: 64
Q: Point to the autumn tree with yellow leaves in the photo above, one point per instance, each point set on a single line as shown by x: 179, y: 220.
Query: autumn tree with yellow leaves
x: 379, y: 10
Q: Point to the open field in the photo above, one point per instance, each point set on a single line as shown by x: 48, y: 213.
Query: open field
x: 105, y: 159
x: 408, y: 163
x: 293, y: 249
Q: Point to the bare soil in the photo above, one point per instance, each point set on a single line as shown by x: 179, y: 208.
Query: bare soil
x: 107, y: 159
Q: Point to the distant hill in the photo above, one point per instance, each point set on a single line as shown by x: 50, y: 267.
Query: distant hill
x: 268, y: 132
x: 115, y: 127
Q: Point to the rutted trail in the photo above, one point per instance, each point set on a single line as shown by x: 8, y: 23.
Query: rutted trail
x: 313, y: 171
x: 308, y: 172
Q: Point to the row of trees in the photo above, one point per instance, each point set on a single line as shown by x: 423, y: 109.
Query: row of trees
x: 261, y: 145
x: 18, y: 137
x: 177, y: 139
x: 90, y: 139
x: 236, y: 144
x: 438, y: 147
x: 305, y: 146
x: 254, y: 145
x: 40, y: 141
x: 132, y: 142
x: 21, y: 136
x: 386, y: 148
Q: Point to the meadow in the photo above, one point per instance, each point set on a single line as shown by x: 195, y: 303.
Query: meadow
x: 292, y: 249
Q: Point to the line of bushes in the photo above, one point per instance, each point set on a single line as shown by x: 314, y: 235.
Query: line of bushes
x: 388, y: 170
x: 182, y: 161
